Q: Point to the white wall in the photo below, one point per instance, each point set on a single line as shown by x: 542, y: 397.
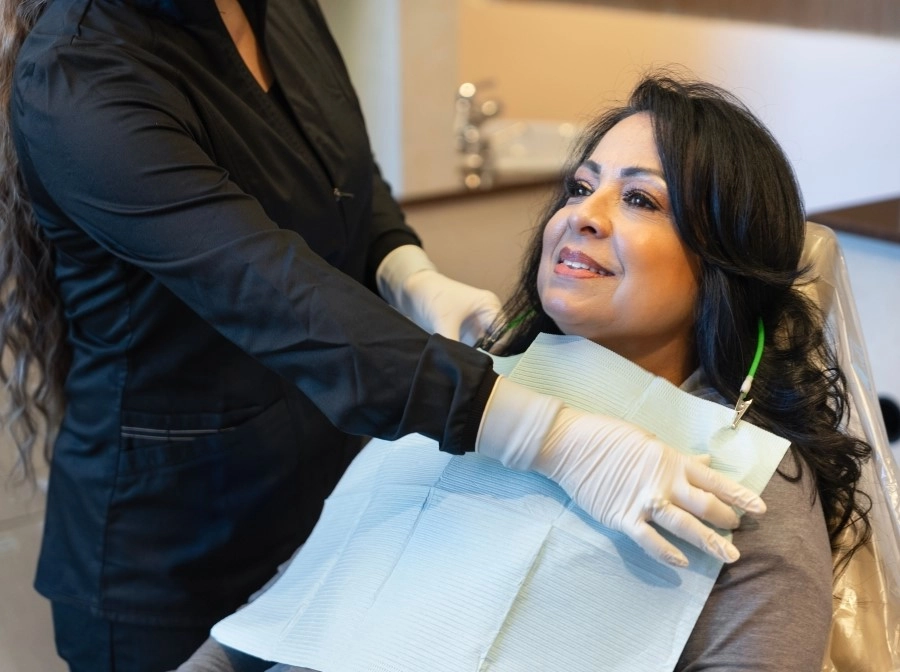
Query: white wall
x: 366, y: 33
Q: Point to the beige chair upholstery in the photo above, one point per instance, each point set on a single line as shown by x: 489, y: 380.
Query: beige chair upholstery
x: 866, y: 628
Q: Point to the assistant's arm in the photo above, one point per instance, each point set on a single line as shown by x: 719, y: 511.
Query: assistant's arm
x: 123, y: 159
x: 410, y: 282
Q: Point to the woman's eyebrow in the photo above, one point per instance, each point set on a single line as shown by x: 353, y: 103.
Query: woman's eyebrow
x: 636, y: 171
x: 630, y: 171
x: 592, y: 166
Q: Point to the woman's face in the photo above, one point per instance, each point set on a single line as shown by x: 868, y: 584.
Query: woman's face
x: 613, y: 268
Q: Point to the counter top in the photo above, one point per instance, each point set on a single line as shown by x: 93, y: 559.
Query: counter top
x: 878, y: 219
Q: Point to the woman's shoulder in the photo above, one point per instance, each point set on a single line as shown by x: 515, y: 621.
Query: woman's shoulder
x: 773, y: 605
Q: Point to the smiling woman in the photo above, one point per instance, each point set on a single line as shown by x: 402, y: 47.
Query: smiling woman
x: 678, y: 227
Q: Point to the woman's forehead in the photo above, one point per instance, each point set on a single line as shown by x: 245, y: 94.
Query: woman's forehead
x: 627, y: 150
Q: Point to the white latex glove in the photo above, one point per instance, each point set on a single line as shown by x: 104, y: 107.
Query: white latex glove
x: 615, y: 471
x: 409, y: 282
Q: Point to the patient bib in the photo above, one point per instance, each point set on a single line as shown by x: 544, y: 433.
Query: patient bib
x: 425, y: 561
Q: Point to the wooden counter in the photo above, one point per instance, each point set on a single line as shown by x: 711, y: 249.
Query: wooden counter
x: 879, y: 219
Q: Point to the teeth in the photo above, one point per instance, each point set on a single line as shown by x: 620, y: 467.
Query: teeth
x: 581, y: 266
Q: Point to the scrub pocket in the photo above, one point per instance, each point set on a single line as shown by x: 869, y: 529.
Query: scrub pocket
x: 202, y: 509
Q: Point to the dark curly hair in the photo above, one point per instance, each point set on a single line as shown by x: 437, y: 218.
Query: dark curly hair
x: 736, y: 204
x: 32, y: 331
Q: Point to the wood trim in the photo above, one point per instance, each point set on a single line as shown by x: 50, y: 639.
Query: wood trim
x: 876, y: 17
x: 879, y: 219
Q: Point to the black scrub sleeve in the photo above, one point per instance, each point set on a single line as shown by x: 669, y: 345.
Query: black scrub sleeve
x: 122, y: 158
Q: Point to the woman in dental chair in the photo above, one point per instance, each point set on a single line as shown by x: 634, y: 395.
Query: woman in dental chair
x: 674, y: 242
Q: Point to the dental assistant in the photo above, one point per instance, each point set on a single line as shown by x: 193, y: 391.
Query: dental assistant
x: 199, y: 296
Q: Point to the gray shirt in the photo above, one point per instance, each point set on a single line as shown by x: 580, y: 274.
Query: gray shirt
x: 770, y: 610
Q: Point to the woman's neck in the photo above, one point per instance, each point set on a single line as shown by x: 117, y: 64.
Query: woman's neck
x: 673, y: 360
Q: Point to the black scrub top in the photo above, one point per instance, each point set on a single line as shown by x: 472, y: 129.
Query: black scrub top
x: 212, y: 243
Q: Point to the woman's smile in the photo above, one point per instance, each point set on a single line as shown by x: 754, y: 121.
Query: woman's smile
x: 576, y: 264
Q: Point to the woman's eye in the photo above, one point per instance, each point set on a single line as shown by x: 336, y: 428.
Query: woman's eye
x: 576, y: 188
x: 639, y: 199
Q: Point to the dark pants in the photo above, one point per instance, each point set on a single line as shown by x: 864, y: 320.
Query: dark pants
x: 90, y: 644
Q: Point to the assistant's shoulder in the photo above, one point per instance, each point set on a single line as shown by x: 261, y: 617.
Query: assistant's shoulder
x: 82, y: 80
x: 75, y: 47
x: 65, y: 27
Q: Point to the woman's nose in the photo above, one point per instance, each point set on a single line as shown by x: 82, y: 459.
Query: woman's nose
x: 589, y: 218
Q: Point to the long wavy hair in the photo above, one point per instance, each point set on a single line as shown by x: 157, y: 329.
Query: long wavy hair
x: 35, y: 358
x: 737, y: 206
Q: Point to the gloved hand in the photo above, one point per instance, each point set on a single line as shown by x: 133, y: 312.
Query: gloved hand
x: 409, y: 282
x: 617, y: 472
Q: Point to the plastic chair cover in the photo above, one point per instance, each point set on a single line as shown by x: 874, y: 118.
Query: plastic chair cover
x: 865, y: 632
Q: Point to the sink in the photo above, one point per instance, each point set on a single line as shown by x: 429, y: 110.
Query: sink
x: 525, y: 148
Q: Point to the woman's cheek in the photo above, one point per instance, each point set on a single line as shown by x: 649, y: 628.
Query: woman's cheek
x: 542, y: 279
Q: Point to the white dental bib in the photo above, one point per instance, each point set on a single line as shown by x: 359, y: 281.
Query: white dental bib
x: 428, y: 561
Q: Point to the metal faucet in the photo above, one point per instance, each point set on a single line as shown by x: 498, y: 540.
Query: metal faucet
x: 471, y: 141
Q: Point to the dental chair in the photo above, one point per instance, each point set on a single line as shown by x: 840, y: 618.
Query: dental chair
x: 865, y: 634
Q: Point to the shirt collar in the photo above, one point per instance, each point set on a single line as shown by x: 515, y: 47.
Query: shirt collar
x: 698, y: 385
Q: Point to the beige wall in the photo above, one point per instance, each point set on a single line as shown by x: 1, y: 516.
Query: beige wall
x: 832, y: 99
x: 430, y: 79
x: 480, y: 238
x: 556, y: 60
